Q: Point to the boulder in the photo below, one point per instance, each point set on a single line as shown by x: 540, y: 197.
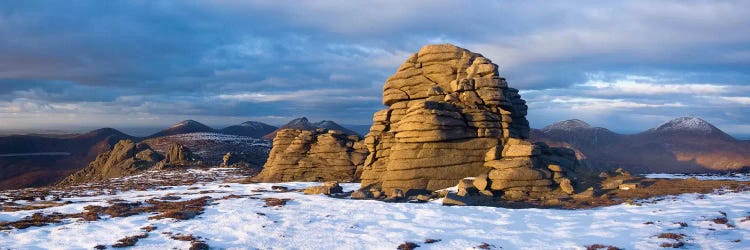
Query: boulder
x: 450, y: 115
x: 327, y: 188
x: 317, y: 155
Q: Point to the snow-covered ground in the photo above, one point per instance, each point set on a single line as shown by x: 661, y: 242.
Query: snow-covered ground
x: 321, y: 222
x: 731, y: 177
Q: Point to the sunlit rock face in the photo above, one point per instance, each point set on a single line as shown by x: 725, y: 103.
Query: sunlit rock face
x: 449, y: 113
x: 313, y: 155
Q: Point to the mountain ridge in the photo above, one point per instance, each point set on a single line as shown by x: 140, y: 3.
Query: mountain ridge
x: 680, y: 145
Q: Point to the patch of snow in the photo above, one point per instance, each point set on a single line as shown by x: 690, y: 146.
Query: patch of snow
x: 731, y: 177
x: 692, y: 124
x: 322, y: 222
x: 568, y: 125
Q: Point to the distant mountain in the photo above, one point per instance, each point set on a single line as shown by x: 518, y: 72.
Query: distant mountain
x: 330, y: 125
x: 682, y: 145
x: 580, y: 134
x: 34, y: 160
x: 249, y: 128
x: 184, y: 127
x: 688, y: 126
x: 303, y: 123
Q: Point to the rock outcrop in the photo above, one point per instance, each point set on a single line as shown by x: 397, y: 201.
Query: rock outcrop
x: 451, y: 115
x: 125, y: 158
x: 129, y: 158
x: 178, y: 156
x: 317, y: 155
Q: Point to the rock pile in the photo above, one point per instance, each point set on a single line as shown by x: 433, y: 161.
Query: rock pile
x: 128, y: 158
x: 450, y: 115
x: 317, y: 155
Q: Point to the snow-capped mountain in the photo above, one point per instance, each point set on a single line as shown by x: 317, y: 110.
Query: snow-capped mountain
x: 184, y: 127
x: 568, y: 125
x: 682, y: 145
x: 249, y: 128
x: 692, y: 126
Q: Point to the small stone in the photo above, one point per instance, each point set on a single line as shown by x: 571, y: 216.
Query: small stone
x: 468, y: 191
x: 566, y: 186
x: 585, y: 195
x: 555, y: 168
x: 423, y: 198
x: 359, y: 194
x: 481, y: 182
x: 628, y: 186
x: 610, y: 184
x: 465, y: 183
x: 397, y: 194
x: 452, y: 199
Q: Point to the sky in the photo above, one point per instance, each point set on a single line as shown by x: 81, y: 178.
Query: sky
x: 627, y: 66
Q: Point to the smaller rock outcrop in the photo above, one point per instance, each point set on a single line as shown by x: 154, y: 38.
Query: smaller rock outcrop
x: 319, y: 155
x: 128, y: 158
x: 125, y: 158
x: 178, y: 156
x: 241, y: 160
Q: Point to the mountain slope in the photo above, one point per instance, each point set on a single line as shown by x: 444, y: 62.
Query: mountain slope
x: 30, y: 161
x: 249, y: 128
x: 682, y: 145
x: 184, y: 127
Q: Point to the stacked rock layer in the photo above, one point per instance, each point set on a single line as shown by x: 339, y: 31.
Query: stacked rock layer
x: 450, y: 115
x: 319, y: 155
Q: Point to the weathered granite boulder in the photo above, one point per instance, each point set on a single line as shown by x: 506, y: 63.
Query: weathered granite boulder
x: 318, y: 155
x: 447, y: 107
x: 451, y: 115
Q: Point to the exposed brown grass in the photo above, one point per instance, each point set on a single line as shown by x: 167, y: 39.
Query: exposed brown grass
x: 671, y: 236
x: 484, y: 245
x: 149, y: 228
x: 430, y: 241
x: 672, y: 245
x: 129, y: 241
x: 600, y: 246
x: 275, y: 202
x: 407, y: 246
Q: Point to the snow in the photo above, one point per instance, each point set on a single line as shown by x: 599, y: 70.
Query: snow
x: 321, y: 222
x: 731, y: 177
x: 693, y: 124
x: 217, y: 137
x: 568, y: 125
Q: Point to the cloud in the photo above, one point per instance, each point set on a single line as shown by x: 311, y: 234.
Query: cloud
x: 743, y: 100
x: 628, y: 62
x: 645, y: 85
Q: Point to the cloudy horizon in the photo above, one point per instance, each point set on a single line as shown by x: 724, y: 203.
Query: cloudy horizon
x: 627, y: 66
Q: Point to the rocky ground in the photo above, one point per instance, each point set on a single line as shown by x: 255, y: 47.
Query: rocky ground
x: 216, y: 209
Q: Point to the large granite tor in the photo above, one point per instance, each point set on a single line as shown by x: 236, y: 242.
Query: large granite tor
x: 451, y: 115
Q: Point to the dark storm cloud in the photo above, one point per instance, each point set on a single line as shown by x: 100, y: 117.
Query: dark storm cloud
x: 113, y: 62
